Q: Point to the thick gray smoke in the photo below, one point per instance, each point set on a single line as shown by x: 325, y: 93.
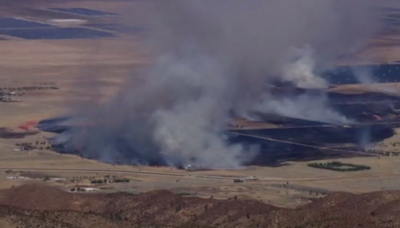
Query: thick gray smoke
x: 214, y: 59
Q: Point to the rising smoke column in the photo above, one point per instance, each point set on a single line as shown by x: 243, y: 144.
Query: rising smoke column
x: 214, y: 58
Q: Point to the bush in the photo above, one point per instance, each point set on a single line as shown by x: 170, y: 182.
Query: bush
x: 237, y: 181
x: 124, y: 180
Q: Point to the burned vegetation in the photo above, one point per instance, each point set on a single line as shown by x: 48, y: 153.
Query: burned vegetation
x: 372, y: 117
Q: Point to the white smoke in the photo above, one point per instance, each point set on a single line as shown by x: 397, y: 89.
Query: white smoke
x: 307, y: 107
x: 300, y: 71
x: 363, y: 75
x: 189, y: 132
x: 214, y: 59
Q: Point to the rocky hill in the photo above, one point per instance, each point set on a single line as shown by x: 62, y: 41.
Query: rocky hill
x: 41, y: 206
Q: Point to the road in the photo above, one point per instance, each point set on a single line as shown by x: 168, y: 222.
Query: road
x: 317, y: 126
x: 305, y: 145
x: 219, y: 177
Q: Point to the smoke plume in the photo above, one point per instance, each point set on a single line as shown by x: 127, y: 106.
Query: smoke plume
x: 214, y: 58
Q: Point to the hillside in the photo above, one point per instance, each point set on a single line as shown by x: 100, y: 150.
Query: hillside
x: 42, y: 206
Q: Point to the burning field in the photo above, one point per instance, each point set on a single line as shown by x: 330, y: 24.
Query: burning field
x: 215, y: 108
x: 234, y: 83
x: 267, y: 138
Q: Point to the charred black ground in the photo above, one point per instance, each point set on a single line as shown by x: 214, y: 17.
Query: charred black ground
x: 375, y: 116
x: 383, y: 73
